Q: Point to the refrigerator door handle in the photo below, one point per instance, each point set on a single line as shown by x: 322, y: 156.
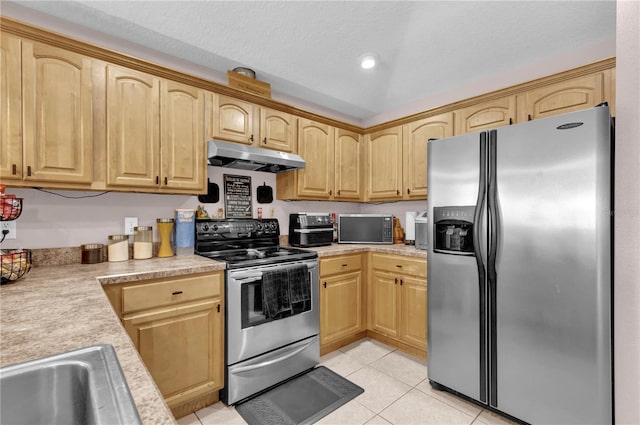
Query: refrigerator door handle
x: 494, y: 228
x: 478, y: 229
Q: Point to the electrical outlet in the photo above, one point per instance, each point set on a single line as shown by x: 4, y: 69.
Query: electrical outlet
x: 10, y: 226
x: 129, y: 224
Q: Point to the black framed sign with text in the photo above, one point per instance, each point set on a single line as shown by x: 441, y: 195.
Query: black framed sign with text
x: 237, y: 196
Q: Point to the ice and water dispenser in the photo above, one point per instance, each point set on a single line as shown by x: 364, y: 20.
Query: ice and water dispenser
x: 453, y: 230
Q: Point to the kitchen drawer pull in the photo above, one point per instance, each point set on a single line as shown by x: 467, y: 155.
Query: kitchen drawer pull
x: 176, y: 293
x: 399, y: 266
x: 344, y: 265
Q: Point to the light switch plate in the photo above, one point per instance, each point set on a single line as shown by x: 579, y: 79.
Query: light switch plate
x: 11, y: 227
x: 129, y: 224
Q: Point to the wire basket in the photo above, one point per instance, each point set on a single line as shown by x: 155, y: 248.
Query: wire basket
x: 11, y: 208
x: 15, y: 264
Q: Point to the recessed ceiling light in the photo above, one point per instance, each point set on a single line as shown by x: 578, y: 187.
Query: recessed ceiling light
x: 368, y: 62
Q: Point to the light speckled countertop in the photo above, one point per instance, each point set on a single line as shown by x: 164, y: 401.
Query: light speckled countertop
x: 55, y: 309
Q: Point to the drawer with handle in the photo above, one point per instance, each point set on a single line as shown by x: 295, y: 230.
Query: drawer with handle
x: 340, y: 264
x: 170, y: 291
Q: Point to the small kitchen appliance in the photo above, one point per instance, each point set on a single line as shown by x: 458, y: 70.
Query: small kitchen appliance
x: 421, y: 230
x: 310, y: 229
x: 365, y: 228
x: 272, y: 320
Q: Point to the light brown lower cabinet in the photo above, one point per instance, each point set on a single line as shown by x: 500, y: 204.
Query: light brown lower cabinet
x: 342, y: 307
x: 177, y: 325
x: 398, y: 301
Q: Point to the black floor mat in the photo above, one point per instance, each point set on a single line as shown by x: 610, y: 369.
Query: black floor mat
x: 302, y: 400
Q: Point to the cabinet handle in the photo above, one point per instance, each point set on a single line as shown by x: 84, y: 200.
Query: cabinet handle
x: 330, y: 192
x: 166, y: 180
x: 529, y: 117
x: 399, y: 266
x: 14, y: 169
x: 397, y: 191
x: 264, y: 140
x: 401, y: 282
x: 396, y: 281
x: 344, y: 265
x: 510, y: 121
x: 251, y: 138
x: 218, y: 308
x: 157, y: 180
x: 324, y: 285
x: 176, y: 293
x: 408, y: 191
x: 29, y: 170
x: 338, y: 192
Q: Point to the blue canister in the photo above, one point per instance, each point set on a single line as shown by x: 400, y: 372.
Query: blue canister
x: 185, y: 231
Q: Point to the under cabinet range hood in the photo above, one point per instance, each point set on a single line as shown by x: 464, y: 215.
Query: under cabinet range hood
x: 235, y: 155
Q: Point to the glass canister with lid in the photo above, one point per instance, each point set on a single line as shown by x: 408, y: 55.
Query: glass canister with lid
x: 118, y: 249
x: 142, y: 242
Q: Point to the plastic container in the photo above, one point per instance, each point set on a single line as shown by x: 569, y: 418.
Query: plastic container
x: 91, y: 253
x: 185, y: 231
x: 118, y: 249
x: 165, y: 229
x: 142, y: 242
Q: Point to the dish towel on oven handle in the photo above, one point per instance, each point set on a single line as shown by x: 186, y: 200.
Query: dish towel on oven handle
x: 275, y: 293
x: 299, y: 285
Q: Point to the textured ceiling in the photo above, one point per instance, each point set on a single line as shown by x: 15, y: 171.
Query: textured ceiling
x: 310, y: 49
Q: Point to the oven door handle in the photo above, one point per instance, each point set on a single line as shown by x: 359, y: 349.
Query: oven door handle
x: 272, y: 361
x: 249, y: 279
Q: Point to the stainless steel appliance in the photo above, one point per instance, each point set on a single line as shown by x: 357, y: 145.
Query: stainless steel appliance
x: 422, y: 226
x: 243, y: 157
x: 310, y: 229
x: 519, y: 271
x: 365, y: 228
x: 271, y: 309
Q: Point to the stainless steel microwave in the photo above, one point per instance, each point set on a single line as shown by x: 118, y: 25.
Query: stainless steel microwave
x: 365, y: 228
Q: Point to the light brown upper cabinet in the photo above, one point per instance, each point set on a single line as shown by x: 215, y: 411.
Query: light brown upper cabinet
x: 486, y: 115
x: 277, y: 130
x: 315, y: 180
x: 567, y: 96
x: 348, y: 167
x: 52, y: 89
x: 414, y: 151
x: 243, y: 122
x: 142, y: 153
x: 11, y: 108
x: 383, y: 164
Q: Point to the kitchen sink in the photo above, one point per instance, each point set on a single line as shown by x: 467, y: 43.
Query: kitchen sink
x: 84, y: 386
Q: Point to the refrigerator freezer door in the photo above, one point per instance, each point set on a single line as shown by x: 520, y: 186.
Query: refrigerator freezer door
x: 454, y: 313
x: 553, y: 291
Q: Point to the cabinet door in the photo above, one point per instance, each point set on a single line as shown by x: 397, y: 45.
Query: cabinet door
x: 496, y: 113
x: 277, y: 130
x: 57, y: 102
x: 11, y: 108
x: 384, y: 162
x: 234, y: 120
x: 414, y: 151
x: 182, y: 347
x: 568, y: 96
x: 340, y: 306
x: 348, y: 167
x: 414, y: 311
x: 133, y: 128
x: 182, y: 142
x: 315, y: 146
x: 384, y: 303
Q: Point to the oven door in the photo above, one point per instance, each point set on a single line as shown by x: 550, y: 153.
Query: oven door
x: 251, y: 328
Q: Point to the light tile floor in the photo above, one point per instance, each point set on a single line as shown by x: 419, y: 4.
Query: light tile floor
x: 396, y: 391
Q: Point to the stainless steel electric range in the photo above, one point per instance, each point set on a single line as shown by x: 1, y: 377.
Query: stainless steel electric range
x: 272, y: 307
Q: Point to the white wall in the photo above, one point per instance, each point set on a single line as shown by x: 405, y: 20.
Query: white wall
x: 627, y: 215
x: 51, y: 221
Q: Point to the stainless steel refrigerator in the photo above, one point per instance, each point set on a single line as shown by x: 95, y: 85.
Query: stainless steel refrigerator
x: 520, y: 268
